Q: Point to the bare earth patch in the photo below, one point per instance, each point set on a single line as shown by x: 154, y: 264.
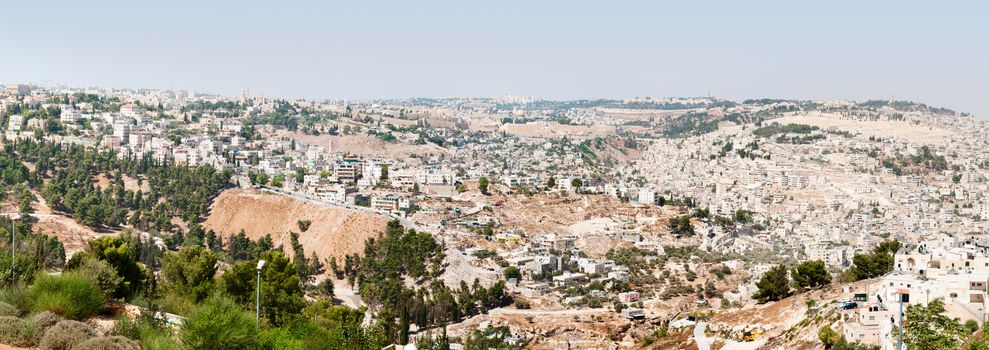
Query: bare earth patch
x: 334, y: 231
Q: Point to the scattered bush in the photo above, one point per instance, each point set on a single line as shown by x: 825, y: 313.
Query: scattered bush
x: 65, y: 335
x: 325, y: 288
x: 8, y: 310
x: 101, y: 272
x: 15, y: 295
x: 14, y: 331
x: 42, y: 321
x: 288, y: 337
x: 116, y: 251
x: 189, y: 272
x: 108, y: 343
x: 304, y: 225
x: 71, y: 295
x: 159, y: 341
x: 125, y: 327
x: 219, y: 323
x: 149, y: 328
x: 972, y: 326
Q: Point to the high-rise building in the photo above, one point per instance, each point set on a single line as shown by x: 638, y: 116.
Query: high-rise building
x: 18, y: 89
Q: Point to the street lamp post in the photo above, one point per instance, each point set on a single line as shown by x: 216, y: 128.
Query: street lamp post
x: 13, y: 250
x: 257, y: 304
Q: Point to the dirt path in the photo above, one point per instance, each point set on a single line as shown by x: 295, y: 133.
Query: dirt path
x: 702, y: 342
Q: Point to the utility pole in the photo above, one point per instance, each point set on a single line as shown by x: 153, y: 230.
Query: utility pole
x: 257, y: 305
x: 899, y: 342
x: 13, y: 250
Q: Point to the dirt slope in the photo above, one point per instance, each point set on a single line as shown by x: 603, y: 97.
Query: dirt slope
x: 73, y: 235
x: 334, y: 231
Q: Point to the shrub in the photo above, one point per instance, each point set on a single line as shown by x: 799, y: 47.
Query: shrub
x: 189, y: 272
x: 65, y: 335
x: 150, y: 329
x: 290, y: 337
x: 8, y: 310
x: 828, y: 336
x: 126, y: 327
x: 304, y: 225
x: 14, y: 331
x: 116, y: 252
x: 108, y: 343
x: 101, y: 272
x: 15, y: 295
x: 42, y: 321
x: 71, y: 295
x: 151, y: 340
x: 972, y: 326
x: 219, y: 323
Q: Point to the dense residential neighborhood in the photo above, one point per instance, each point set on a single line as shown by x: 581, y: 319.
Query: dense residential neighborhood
x: 641, y: 211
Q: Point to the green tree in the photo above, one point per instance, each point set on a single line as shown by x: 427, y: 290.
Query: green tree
x: 341, y: 328
x: 828, y: 336
x: 927, y: 327
x: 278, y: 180
x: 512, y: 272
x: 189, y: 272
x: 213, y: 242
x: 281, y: 292
x: 260, y: 179
x: 306, y: 268
x: 240, y: 247
x: 577, y: 183
x: 681, y: 226
x: 219, y: 323
x: 774, y: 285
x: 482, y: 185
x: 489, y: 338
x: 877, y: 263
x: 811, y: 274
x: 304, y: 225
x: 551, y: 183
x: 116, y: 252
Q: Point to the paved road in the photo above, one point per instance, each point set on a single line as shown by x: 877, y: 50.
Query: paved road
x: 36, y: 215
x: 504, y: 311
x: 460, y: 269
x: 346, y: 294
x: 405, y: 222
x: 702, y: 342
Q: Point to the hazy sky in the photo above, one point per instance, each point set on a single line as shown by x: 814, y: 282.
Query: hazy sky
x: 929, y: 51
